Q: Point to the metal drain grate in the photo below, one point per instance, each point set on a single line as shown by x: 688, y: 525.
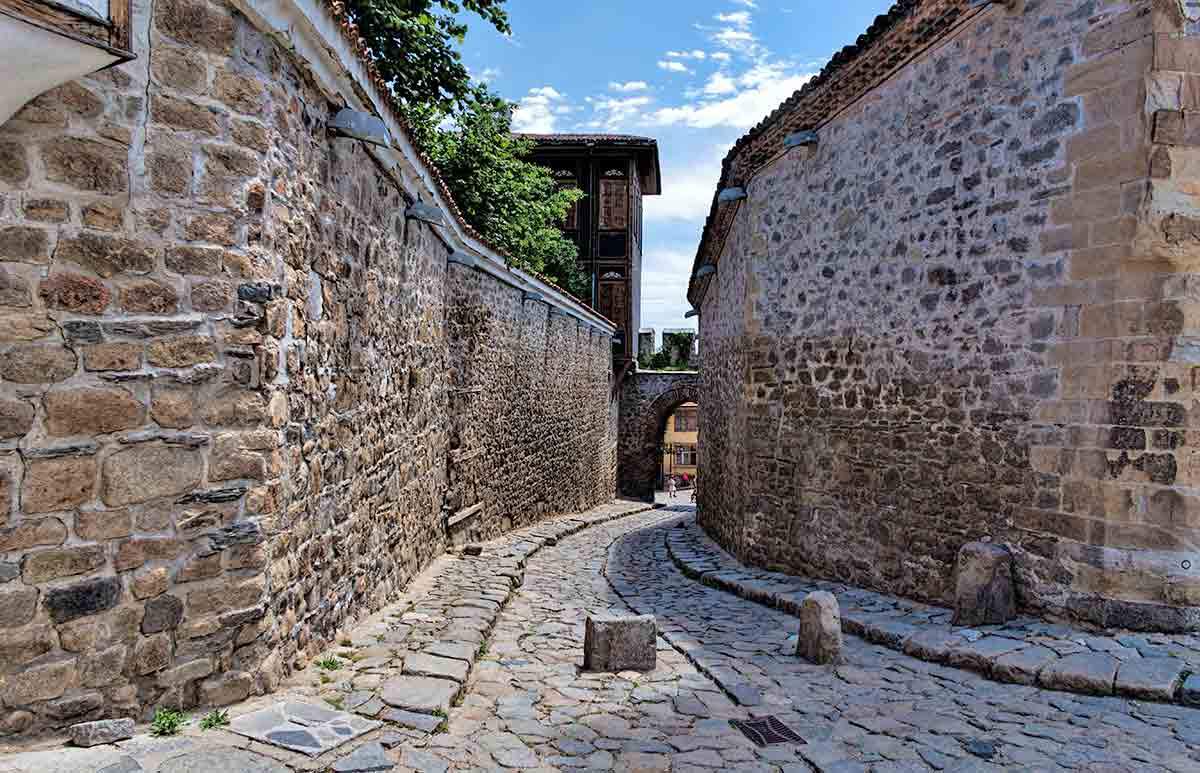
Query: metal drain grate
x: 766, y: 731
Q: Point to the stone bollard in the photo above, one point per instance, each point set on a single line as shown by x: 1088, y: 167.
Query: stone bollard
x: 984, y: 592
x: 612, y: 643
x: 820, y: 629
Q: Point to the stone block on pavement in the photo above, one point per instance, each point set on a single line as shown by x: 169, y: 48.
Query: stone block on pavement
x: 1086, y: 672
x: 101, y: 731
x: 420, y: 693
x: 426, y: 723
x: 421, y: 664
x: 1152, y: 679
x: 984, y: 592
x: 1190, y: 694
x: 820, y: 629
x: 1023, y: 666
x: 614, y: 643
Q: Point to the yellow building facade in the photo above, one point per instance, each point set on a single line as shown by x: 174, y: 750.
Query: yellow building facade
x: 680, y: 446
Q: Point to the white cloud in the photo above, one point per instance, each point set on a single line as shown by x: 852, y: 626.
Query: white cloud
x: 672, y: 66
x: 741, y: 110
x: 615, y: 113
x: 694, y: 54
x: 734, y: 34
x: 539, y: 110
x: 737, y: 39
x: 736, y: 18
x: 488, y: 74
x: 721, y: 56
x: 747, y: 3
x: 719, y: 83
x: 665, y: 273
x: 628, y: 86
x: 687, y: 193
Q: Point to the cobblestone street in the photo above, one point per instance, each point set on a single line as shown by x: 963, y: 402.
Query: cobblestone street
x: 883, y: 711
x: 528, y: 705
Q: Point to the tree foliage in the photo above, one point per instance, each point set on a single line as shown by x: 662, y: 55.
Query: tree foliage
x: 676, y: 353
x: 514, y: 203
x: 466, y: 131
x: 413, y: 44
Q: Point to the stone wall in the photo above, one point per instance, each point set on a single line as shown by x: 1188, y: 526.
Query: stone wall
x: 231, y: 417
x: 648, y: 398
x: 984, y: 332
x: 533, y: 431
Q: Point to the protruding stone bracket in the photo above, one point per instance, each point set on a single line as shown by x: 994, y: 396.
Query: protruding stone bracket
x: 426, y: 213
x: 463, y: 516
x: 463, y: 258
x: 801, y: 139
x: 691, y: 313
x: 358, y: 125
x: 731, y: 195
x: 708, y: 269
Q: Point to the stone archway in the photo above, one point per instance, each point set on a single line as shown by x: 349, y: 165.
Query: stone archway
x: 647, y: 399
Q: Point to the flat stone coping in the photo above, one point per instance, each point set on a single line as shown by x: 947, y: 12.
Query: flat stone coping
x: 1153, y: 667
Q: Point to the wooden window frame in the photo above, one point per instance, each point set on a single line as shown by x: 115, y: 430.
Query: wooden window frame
x: 113, y: 35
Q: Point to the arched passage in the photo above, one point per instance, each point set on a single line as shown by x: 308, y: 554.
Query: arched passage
x: 647, y: 399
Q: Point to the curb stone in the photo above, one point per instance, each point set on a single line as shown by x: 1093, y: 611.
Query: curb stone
x: 1148, y: 667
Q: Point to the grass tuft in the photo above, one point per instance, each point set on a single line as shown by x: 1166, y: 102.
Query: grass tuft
x: 214, y: 719
x: 166, y: 722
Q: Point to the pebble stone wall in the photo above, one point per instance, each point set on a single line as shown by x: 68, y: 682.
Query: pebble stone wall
x: 231, y: 373
x: 967, y: 314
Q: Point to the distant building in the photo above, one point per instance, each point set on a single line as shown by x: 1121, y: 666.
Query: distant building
x: 645, y: 343
x: 680, y: 345
x: 614, y: 171
x: 680, y: 442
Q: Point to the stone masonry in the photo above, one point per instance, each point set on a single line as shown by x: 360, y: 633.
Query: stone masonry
x: 240, y: 392
x: 985, y: 332
x: 648, y: 398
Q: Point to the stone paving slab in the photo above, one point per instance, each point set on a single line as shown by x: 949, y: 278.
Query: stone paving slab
x: 1024, y: 651
x: 302, y: 727
x: 421, y: 694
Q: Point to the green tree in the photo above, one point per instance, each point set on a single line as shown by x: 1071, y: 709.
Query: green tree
x: 516, y: 204
x: 466, y: 131
x: 413, y: 44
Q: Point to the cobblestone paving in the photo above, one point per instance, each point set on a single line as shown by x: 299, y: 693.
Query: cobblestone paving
x: 403, y: 666
x: 883, y: 710
x: 1026, y: 650
x: 528, y: 705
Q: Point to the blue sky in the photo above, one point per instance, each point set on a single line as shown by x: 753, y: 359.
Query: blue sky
x: 695, y: 74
